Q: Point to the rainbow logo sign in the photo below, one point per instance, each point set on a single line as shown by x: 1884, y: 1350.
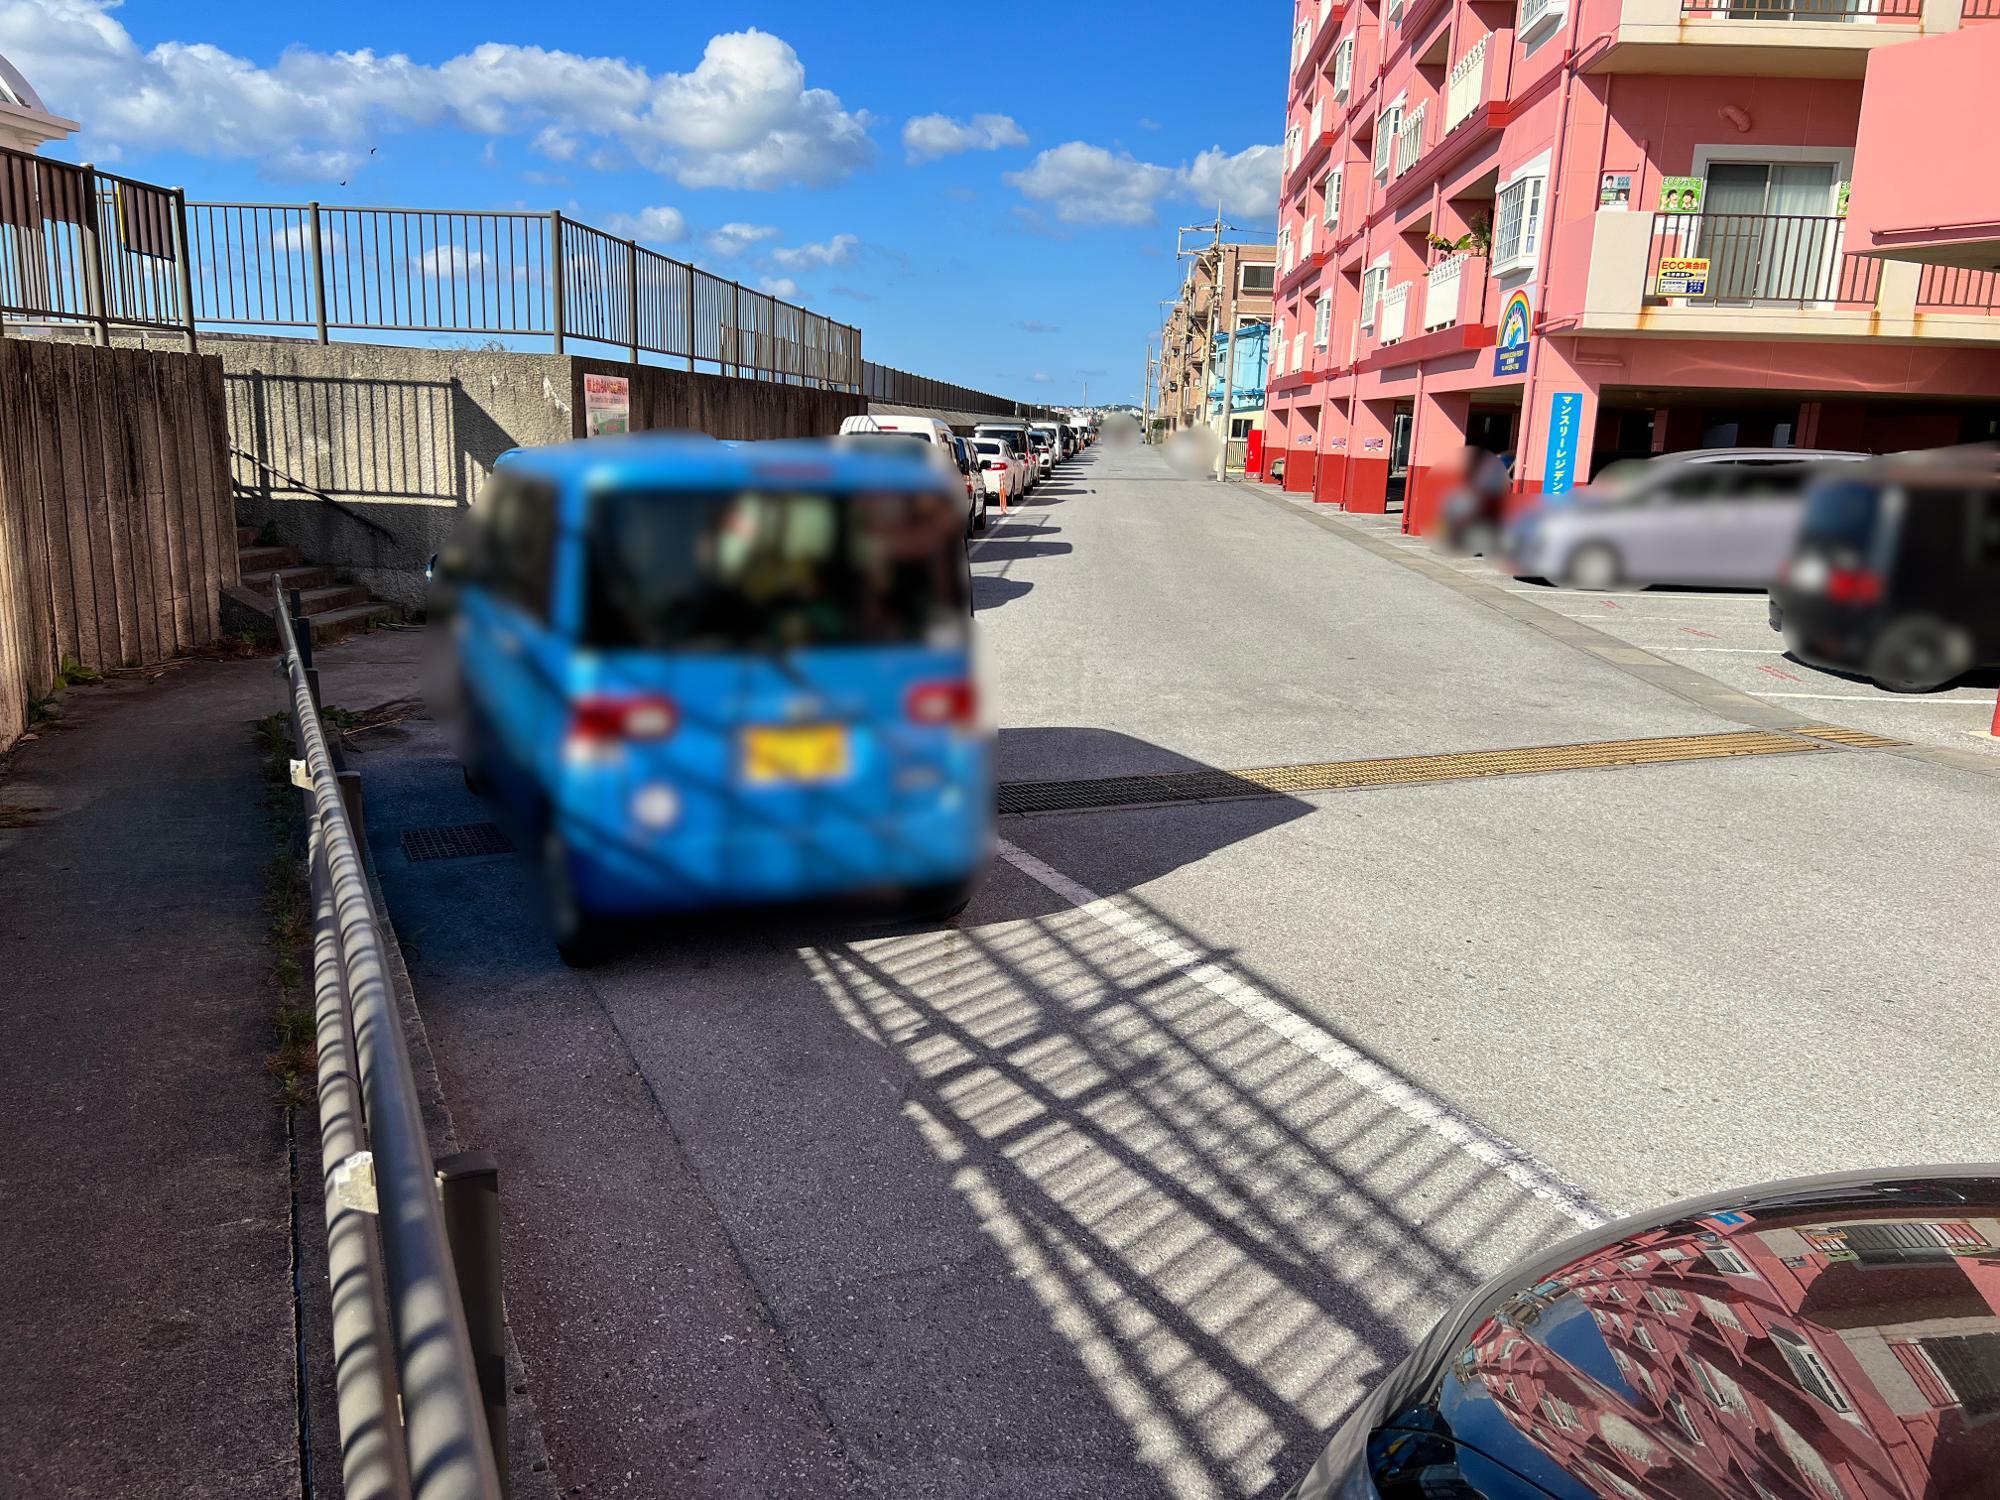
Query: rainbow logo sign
x: 1510, y: 354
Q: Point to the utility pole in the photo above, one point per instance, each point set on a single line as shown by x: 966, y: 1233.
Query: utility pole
x: 1218, y: 309
x: 1146, y: 398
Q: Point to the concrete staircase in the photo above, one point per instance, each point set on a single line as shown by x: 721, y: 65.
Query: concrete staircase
x: 335, y: 609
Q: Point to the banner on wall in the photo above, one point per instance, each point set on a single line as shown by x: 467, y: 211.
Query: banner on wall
x: 1565, y: 422
x: 1682, y: 276
x: 1510, y: 351
x: 607, y: 405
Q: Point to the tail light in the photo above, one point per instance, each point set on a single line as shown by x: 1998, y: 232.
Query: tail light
x: 599, y: 725
x: 997, y: 465
x: 952, y: 702
x: 1853, y: 586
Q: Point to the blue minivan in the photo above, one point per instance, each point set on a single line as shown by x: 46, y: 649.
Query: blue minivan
x: 708, y: 674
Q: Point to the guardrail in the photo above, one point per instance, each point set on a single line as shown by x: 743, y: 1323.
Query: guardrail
x: 884, y: 383
x: 413, y: 1244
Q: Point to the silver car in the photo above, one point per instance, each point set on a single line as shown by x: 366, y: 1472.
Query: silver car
x: 1721, y: 518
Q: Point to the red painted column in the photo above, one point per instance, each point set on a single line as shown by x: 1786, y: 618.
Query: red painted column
x: 1330, y: 482
x: 1368, y: 458
x: 1435, y: 442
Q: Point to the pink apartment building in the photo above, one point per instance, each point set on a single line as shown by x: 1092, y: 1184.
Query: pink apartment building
x: 1582, y: 230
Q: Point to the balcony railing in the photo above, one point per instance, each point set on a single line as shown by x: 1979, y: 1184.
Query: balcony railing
x: 1806, y: 10
x: 1393, y: 318
x: 1979, y: 10
x: 1409, y: 141
x: 1770, y: 260
x: 1343, y: 69
x: 1441, y: 288
x: 1958, y: 289
x: 1465, y: 87
x: 1532, y: 11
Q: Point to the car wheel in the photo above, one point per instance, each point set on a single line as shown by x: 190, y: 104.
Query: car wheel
x: 1919, y: 655
x: 579, y: 940
x: 940, y: 903
x: 1594, y: 567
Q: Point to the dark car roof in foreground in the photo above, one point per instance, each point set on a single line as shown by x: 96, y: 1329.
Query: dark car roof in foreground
x: 1825, y: 1337
x: 672, y: 460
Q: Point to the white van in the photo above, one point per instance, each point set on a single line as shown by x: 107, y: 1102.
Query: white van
x: 928, y: 428
x: 1015, y: 435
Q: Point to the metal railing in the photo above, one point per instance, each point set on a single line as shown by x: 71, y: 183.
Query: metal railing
x: 1465, y: 87
x: 1958, y: 289
x: 1979, y: 10
x: 1791, y: 260
x: 413, y: 1252
x: 1409, y: 140
x: 92, y: 249
x: 1805, y: 10
x: 883, y: 383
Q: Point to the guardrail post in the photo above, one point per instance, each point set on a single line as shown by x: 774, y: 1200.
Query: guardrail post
x: 93, y: 260
x: 469, y: 1185
x: 319, y: 271
x: 350, y: 798
x: 690, y: 316
x: 736, y: 329
x: 632, y: 295
x: 558, y: 270
x: 184, y: 264
x: 302, y: 636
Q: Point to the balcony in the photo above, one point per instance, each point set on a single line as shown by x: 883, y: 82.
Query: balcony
x: 1762, y: 38
x: 1392, y: 318
x: 1409, y: 142
x: 1764, y: 276
x: 1442, y: 285
x: 1465, y: 86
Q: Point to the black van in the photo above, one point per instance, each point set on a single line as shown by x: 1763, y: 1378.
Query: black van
x: 1896, y: 571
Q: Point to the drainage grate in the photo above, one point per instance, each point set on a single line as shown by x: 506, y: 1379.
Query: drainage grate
x: 1859, y: 739
x: 1338, y: 775
x: 464, y: 841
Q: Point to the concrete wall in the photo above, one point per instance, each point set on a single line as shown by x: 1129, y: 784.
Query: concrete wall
x: 407, y: 436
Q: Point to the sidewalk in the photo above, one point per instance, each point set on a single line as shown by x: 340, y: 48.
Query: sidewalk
x: 148, y: 1342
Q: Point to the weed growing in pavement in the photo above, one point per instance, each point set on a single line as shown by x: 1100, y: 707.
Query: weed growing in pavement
x: 74, y: 673
x: 41, y: 707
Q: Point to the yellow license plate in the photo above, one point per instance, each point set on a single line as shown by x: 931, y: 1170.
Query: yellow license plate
x: 795, y: 753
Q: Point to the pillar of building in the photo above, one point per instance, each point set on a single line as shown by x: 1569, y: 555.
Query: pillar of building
x: 1558, y: 423
x: 1368, y: 457
x: 1301, y: 464
x: 1330, y: 479
x: 1437, y: 436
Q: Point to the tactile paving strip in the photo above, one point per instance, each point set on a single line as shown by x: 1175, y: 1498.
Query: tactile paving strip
x: 1860, y: 739
x: 1338, y: 775
x: 463, y: 841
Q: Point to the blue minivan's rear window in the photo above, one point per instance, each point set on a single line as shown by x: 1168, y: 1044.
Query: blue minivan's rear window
x: 766, y: 570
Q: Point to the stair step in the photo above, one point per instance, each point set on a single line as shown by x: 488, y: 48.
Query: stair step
x: 264, y: 559
x: 246, y: 536
x: 302, y: 576
x: 332, y: 596
x: 335, y: 623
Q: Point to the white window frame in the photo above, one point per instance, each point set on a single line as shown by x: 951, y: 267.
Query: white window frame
x: 1533, y: 182
x: 1343, y: 68
x: 1726, y: 1260
x: 1534, y: 17
x: 1330, y: 192
x: 1377, y: 276
x: 1388, y: 120
x: 1323, y: 319
x: 1811, y: 1371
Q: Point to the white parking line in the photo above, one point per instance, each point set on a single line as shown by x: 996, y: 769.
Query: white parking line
x: 1888, y: 700
x: 1640, y: 598
x: 1435, y: 1114
x: 1723, y: 650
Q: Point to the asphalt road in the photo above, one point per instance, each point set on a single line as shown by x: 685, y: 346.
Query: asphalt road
x: 1130, y: 1179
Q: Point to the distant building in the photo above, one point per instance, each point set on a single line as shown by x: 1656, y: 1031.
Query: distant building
x: 1189, y: 343
x: 25, y: 122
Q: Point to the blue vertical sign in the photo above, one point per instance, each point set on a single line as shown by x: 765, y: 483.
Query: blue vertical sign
x: 1565, y: 418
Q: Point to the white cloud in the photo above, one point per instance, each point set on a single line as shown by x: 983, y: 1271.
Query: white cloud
x: 837, y: 251
x: 296, y: 239
x: 784, y: 286
x: 741, y: 117
x: 1042, y: 377
x: 658, y: 225
x: 1085, y: 184
x: 733, y: 239
x: 1036, y: 325
x: 930, y: 136
x: 1245, y: 184
x: 448, y: 261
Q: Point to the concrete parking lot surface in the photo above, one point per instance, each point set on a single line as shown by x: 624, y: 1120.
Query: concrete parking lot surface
x: 1132, y: 1178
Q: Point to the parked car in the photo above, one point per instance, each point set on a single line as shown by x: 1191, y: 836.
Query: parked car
x: 1896, y: 573
x: 1003, y: 469
x: 975, y: 485
x: 949, y: 454
x: 1780, y: 1340
x: 1724, y: 518
x: 1058, y: 450
x: 1043, y: 447
x: 1015, y: 433
x: 701, y: 674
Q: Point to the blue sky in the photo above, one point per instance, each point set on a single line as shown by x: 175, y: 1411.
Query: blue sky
x: 1002, y: 218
